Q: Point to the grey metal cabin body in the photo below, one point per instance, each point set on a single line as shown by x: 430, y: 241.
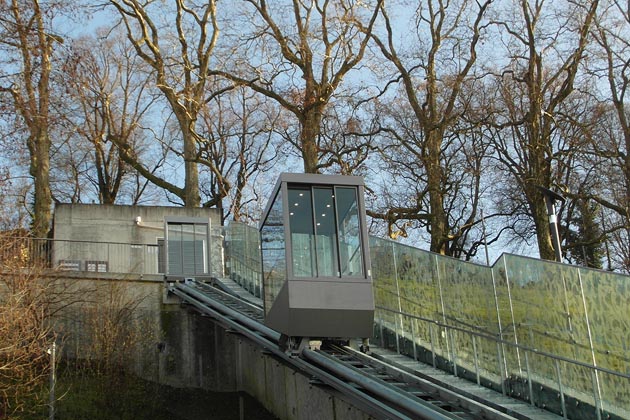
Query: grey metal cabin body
x: 315, y: 260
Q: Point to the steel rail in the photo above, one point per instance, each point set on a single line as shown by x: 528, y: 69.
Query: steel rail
x: 421, y: 410
x: 355, y: 385
x: 362, y: 400
x: 449, y: 395
x: 243, y: 319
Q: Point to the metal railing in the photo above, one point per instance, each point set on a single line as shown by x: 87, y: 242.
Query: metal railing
x: 84, y: 256
x: 538, y: 377
x: 561, y: 327
x: 242, y: 252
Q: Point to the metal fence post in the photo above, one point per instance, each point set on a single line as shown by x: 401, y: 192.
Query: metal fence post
x: 598, y: 406
x: 453, y: 351
x: 413, y: 338
x: 474, y: 342
x: 560, y: 390
x: 432, y: 345
x: 529, y: 380
x: 501, y: 368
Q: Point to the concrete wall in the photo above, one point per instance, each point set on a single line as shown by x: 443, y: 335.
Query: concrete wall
x: 174, y: 345
x: 119, y: 226
x: 288, y: 394
x: 221, y: 360
x: 101, y: 313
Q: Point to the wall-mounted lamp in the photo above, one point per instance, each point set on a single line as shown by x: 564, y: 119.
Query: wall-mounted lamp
x: 138, y: 220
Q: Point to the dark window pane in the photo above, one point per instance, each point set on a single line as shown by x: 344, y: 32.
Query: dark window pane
x: 349, y: 232
x: 175, y: 249
x: 273, y: 253
x: 326, y: 236
x: 187, y: 248
x: 302, y: 233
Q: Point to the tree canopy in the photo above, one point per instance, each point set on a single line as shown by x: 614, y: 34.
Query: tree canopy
x: 457, y: 113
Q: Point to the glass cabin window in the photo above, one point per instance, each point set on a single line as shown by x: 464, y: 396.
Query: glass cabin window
x: 273, y: 252
x: 302, y: 232
x: 325, y: 231
x: 351, y: 257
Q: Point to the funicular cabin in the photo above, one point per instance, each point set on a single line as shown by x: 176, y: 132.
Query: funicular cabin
x: 316, y: 267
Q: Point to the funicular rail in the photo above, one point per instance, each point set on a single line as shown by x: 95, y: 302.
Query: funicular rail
x: 370, y: 384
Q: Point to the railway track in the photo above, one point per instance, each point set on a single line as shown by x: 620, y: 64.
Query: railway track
x: 376, y: 387
x: 410, y: 389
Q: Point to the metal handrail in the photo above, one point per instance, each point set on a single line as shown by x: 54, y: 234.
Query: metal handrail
x: 52, y: 240
x: 509, y: 343
x: 52, y: 253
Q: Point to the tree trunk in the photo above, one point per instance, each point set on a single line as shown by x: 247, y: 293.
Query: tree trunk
x: 626, y: 161
x: 311, y: 125
x: 40, y: 171
x: 186, y: 117
x: 192, y: 197
x: 539, y: 174
x: 439, y: 219
x: 538, y: 209
x: 31, y: 97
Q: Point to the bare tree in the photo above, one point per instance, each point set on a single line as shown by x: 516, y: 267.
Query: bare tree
x: 180, y: 61
x: 107, y: 86
x: 611, y: 33
x: 12, y: 197
x: 240, y: 143
x: 432, y: 75
x: 28, y: 40
x: 538, y: 80
x: 349, y: 134
x: 608, y: 151
x: 25, y: 333
x: 306, y: 49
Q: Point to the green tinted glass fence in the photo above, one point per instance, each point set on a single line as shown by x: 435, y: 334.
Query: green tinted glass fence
x: 526, y: 327
x: 552, y: 334
x: 242, y: 256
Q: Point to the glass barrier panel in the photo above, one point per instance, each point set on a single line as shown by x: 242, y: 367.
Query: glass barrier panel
x: 415, y: 276
x: 415, y: 282
x: 242, y: 251
x: 538, y: 299
x: 385, y: 333
x: 615, y: 394
x: 468, y: 301
x: 383, y: 273
x: 607, y: 302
